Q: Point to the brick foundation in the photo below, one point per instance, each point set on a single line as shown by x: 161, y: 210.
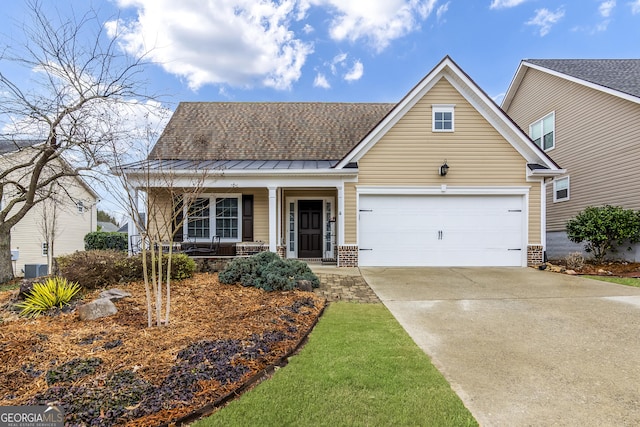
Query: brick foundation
x: 535, y: 255
x: 250, y: 248
x: 348, y: 256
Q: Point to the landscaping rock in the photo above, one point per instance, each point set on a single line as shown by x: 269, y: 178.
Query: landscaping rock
x: 114, y: 294
x: 26, y: 286
x: 571, y: 272
x: 96, y: 309
x: 305, y: 285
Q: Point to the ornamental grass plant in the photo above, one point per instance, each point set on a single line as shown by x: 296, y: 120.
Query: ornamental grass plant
x: 54, y: 292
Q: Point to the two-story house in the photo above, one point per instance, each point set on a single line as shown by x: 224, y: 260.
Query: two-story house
x: 55, y: 226
x: 584, y: 113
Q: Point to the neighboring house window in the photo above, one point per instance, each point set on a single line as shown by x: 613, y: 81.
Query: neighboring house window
x: 80, y: 206
x: 443, y: 118
x: 227, y: 217
x: 561, y: 189
x: 198, y: 224
x: 543, y: 132
x: 45, y: 249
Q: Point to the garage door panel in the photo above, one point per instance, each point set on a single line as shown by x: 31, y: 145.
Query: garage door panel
x: 440, y: 230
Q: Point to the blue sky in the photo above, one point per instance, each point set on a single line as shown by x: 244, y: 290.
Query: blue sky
x: 348, y: 50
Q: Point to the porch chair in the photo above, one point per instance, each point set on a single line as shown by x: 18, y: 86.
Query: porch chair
x: 135, y: 243
x: 192, y: 248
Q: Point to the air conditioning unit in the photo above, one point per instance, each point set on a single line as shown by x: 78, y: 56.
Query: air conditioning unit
x: 31, y: 271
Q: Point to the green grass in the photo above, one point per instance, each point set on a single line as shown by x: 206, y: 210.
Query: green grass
x: 629, y: 281
x: 9, y: 286
x: 359, y: 368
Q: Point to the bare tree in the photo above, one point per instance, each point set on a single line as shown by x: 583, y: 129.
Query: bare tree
x: 155, y: 196
x: 77, y: 82
x: 158, y: 220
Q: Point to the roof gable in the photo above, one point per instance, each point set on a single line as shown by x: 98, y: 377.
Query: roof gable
x: 449, y: 70
x: 9, y: 148
x: 617, y: 77
x: 266, y: 131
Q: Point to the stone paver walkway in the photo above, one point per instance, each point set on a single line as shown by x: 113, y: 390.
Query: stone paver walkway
x: 343, y: 284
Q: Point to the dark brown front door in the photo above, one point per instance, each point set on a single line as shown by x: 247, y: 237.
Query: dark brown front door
x: 310, y: 229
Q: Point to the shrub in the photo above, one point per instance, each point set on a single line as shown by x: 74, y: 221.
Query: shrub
x: 99, y: 269
x: 102, y: 240
x: 96, y: 269
x: 267, y: 271
x: 54, y: 292
x: 574, y: 260
x: 604, y: 228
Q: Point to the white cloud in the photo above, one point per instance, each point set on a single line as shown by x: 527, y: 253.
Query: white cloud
x: 321, y: 81
x: 308, y: 29
x: 377, y: 22
x: 503, y: 4
x: 545, y: 19
x: 606, y: 7
x: 635, y: 7
x: 442, y: 9
x: 235, y: 42
x: 355, y: 73
x: 498, y: 98
x: 338, y: 60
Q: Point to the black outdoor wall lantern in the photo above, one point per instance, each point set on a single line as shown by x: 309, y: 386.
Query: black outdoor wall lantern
x: 444, y: 168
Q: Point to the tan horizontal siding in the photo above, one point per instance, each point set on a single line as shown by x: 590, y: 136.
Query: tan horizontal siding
x: 310, y: 193
x: 350, y: 214
x: 260, y: 213
x: 596, y: 141
x: 410, y: 154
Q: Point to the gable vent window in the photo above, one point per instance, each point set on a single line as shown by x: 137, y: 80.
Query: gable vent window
x: 443, y: 119
x: 561, y: 189
x: 543, y: 132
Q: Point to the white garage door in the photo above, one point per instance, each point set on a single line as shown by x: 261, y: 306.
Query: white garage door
x: 406, y: 230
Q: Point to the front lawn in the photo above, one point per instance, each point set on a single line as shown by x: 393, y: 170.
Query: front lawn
x: 629, y: 281
x: 359, y: 368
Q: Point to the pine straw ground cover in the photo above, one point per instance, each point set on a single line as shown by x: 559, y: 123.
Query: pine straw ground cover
x: 116, y: 371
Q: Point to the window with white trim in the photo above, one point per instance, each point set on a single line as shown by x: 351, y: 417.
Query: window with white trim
x: 443, y: 118
x: 198, y: 219
x: 561, y: 189
x: 215, y: 215
x: 227, y: 217
x: 80, y: 206
x: 542, y: 132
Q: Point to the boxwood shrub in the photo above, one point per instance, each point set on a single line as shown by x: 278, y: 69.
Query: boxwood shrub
x: 267, y: 271
x: 102, y: 240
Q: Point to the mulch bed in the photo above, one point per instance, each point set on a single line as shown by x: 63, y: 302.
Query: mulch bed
x: 619, y: 268
x: 116, y: 371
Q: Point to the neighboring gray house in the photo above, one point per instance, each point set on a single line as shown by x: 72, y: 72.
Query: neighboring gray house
x: 585, y: 113
x: 108, y: 227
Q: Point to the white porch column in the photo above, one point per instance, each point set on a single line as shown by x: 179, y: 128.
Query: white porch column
x: 340, y: 215
x: 273, y: 220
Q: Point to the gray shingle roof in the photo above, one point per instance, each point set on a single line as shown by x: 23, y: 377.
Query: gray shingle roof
x: 619, y: 74
x: 9, y: 146
x: 266, y: 131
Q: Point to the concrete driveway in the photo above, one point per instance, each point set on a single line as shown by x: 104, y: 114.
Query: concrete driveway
x: 524, y: 347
